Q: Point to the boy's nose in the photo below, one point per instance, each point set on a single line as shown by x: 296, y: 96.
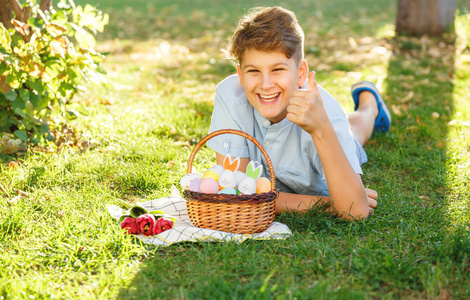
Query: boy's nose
x: 267, y: 82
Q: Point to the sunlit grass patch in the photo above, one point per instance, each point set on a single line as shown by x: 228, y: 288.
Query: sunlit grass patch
x: 458, y: 167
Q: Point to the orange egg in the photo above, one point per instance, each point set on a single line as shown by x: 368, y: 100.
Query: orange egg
x: 263, y: 185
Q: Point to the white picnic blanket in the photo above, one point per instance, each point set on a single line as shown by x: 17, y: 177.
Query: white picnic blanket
x: 184, y: 231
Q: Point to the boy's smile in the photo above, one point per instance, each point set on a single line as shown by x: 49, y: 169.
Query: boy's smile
x: 269, y: 79
x: 269, y: 98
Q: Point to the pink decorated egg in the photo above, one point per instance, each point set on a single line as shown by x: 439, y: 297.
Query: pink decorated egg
x: 209, y: 186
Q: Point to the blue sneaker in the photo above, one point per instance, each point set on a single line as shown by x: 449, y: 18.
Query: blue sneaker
x: 384, y: 119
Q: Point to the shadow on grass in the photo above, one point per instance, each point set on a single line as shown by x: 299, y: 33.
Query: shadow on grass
x: 412, y: 156
x: 411, y: 166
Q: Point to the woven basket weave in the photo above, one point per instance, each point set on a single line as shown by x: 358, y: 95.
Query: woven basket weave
x: 242, y: 214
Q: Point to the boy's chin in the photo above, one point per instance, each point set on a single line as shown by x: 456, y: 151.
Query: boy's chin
x: 274, y: 118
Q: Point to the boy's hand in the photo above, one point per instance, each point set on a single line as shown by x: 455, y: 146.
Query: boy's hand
x: 306, y: 107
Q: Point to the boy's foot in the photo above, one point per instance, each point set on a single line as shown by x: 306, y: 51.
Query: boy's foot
x: 384, y: 119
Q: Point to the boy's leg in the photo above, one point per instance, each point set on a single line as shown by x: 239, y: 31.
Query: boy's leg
x: 371, y: 112
x: 362, y: 120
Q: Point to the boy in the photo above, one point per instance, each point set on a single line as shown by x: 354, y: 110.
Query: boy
x: 315, y: 149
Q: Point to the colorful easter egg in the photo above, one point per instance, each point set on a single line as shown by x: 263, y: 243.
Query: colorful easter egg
x: 185, y: 181
x: 227, y: 180
x: 218, y: 169
x: 211, y: 174
x: 247, y: 186
x: 209, y: 186
x: 228, y: 191
x: 195, y: 185
x: 263, y: 185
x: 239, y: 176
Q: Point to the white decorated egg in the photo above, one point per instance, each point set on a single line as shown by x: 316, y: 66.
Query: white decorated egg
x: 218, y: 169
x: 227, y: 180
x: 185, y: 181
x: 239, y: 176
x: 247, y: 186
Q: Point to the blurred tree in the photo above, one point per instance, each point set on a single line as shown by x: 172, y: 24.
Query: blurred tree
x: 45, y: 57
x: 10, y: 9
x: 419, y: 17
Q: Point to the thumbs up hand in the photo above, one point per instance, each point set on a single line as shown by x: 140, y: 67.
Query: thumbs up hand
x: 306, y: 107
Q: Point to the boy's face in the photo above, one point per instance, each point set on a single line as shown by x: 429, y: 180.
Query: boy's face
x: 269, y: 79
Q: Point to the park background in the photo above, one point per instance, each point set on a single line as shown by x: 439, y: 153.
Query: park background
x: 162, y: 64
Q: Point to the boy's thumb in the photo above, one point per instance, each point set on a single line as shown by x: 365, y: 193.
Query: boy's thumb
x: 312, y: 83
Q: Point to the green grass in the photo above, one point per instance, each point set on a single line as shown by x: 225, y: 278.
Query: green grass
x: 163, y: 62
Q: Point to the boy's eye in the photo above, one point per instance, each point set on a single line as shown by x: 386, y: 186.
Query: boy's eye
x: 252, y: 71
x: 278, y: 69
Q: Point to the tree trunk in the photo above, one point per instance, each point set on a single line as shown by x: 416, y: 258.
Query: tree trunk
x: 419, y: 17
x: 45, y: 5
x: 11, y: 9
x: 6, y: 13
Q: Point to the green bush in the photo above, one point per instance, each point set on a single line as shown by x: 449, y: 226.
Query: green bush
x: 43, y: 63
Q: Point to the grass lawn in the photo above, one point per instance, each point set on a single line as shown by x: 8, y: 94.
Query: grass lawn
x: 163, y: 63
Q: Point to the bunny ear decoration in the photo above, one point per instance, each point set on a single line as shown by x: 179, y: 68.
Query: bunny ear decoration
x: 231, y: 164
x: 254, y: 170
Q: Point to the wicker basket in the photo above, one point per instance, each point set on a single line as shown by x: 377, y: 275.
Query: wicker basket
x: 232, y: 213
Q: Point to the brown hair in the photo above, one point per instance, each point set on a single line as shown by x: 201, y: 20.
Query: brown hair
x: 267, y: 29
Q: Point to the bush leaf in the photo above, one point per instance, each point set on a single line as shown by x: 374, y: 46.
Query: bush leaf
x: 11, y: 95
x: 21, y: 134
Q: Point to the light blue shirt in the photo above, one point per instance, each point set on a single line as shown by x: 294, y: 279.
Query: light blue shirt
x: 297, y: 166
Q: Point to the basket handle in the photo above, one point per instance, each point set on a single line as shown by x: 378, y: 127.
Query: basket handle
x: 238, y: 132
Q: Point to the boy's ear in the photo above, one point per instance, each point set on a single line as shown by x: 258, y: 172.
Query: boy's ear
x: 239, y: 72
x: 303, y: 72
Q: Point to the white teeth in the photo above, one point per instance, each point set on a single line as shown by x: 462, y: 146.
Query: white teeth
x: 269, y: 98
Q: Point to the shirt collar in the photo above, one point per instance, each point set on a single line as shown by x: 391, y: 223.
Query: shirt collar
x: 265, y: 123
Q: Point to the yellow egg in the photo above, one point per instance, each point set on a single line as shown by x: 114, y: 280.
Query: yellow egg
x: 211, y: 174
x: 263, y: 185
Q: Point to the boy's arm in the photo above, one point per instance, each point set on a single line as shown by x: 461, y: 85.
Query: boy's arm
x: 348, y: 196
x: 298, y: 202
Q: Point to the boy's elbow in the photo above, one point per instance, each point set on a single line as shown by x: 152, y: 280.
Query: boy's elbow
x: 354, y: 212
x: 362, y: 215
x: 355, y: 207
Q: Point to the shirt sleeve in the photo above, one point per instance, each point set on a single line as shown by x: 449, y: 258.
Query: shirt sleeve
x: 341, y: 126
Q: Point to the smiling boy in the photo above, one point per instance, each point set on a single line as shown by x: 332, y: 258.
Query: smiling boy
x: 316, y: 150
